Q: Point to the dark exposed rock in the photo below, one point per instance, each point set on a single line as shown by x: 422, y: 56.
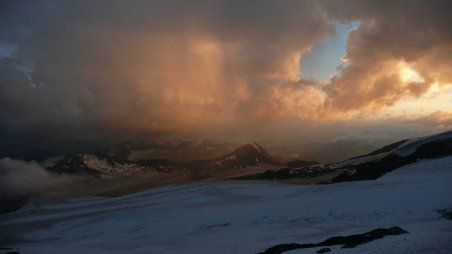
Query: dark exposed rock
x: 323, y: 250
x: 375, y: 169
x: 111, y: 160
x: 446, y: 214
x: 355, y: 240
x: 346, y: 241
x: 280, y: 248
x: 73, y: 165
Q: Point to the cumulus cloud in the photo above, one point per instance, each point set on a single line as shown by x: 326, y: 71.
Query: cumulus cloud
x: 20, y: 178
x: 392, y: 35
x: 85, y: 69
x: 152, y: 66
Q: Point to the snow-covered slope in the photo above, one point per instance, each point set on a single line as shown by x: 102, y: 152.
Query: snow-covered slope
x: 411, y: 145
x: 244, y: 217
x: 375, y: 164
x: 403, y: 149
x: 366, y: 167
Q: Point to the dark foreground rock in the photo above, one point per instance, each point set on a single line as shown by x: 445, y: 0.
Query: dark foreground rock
x: 446, y: 214
x: 350, y: 241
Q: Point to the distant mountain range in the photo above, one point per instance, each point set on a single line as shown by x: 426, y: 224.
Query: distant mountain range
x: 129, y: 167
x: 185, y: 151
x: 369, y: 166
x: 128, y: 159
x: 210, y: 160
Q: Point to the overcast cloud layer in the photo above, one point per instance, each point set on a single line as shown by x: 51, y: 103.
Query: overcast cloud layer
x: 160, y: 69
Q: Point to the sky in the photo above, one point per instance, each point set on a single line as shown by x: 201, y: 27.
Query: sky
x: 81, y: 72
x: 324, y: 59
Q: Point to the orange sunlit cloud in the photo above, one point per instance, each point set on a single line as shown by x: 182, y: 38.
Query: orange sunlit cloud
x: 220, y: 68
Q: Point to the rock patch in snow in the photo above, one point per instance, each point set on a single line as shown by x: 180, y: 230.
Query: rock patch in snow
x: 350, y: 241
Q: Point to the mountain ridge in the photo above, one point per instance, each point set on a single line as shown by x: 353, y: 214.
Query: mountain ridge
x: 369, y: 166
x: 100, y: 164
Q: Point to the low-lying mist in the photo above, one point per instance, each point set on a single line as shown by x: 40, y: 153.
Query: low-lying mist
x: 21, y: 178
x: 24, y: 181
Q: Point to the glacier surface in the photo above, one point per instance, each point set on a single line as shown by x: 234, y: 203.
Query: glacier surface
x: 244, y: 217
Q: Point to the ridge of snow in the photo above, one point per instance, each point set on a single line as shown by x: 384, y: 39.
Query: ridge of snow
x: 257, y: 148
x: 411, y: 145
x: 103, y: 167
x: 406, y: 149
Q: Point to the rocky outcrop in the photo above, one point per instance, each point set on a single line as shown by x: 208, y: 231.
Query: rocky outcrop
x: 350, y: 241
x: 323, y: 250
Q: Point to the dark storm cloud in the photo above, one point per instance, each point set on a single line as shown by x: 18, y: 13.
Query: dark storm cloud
x: 149, y: 66
x: 84, y: 69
